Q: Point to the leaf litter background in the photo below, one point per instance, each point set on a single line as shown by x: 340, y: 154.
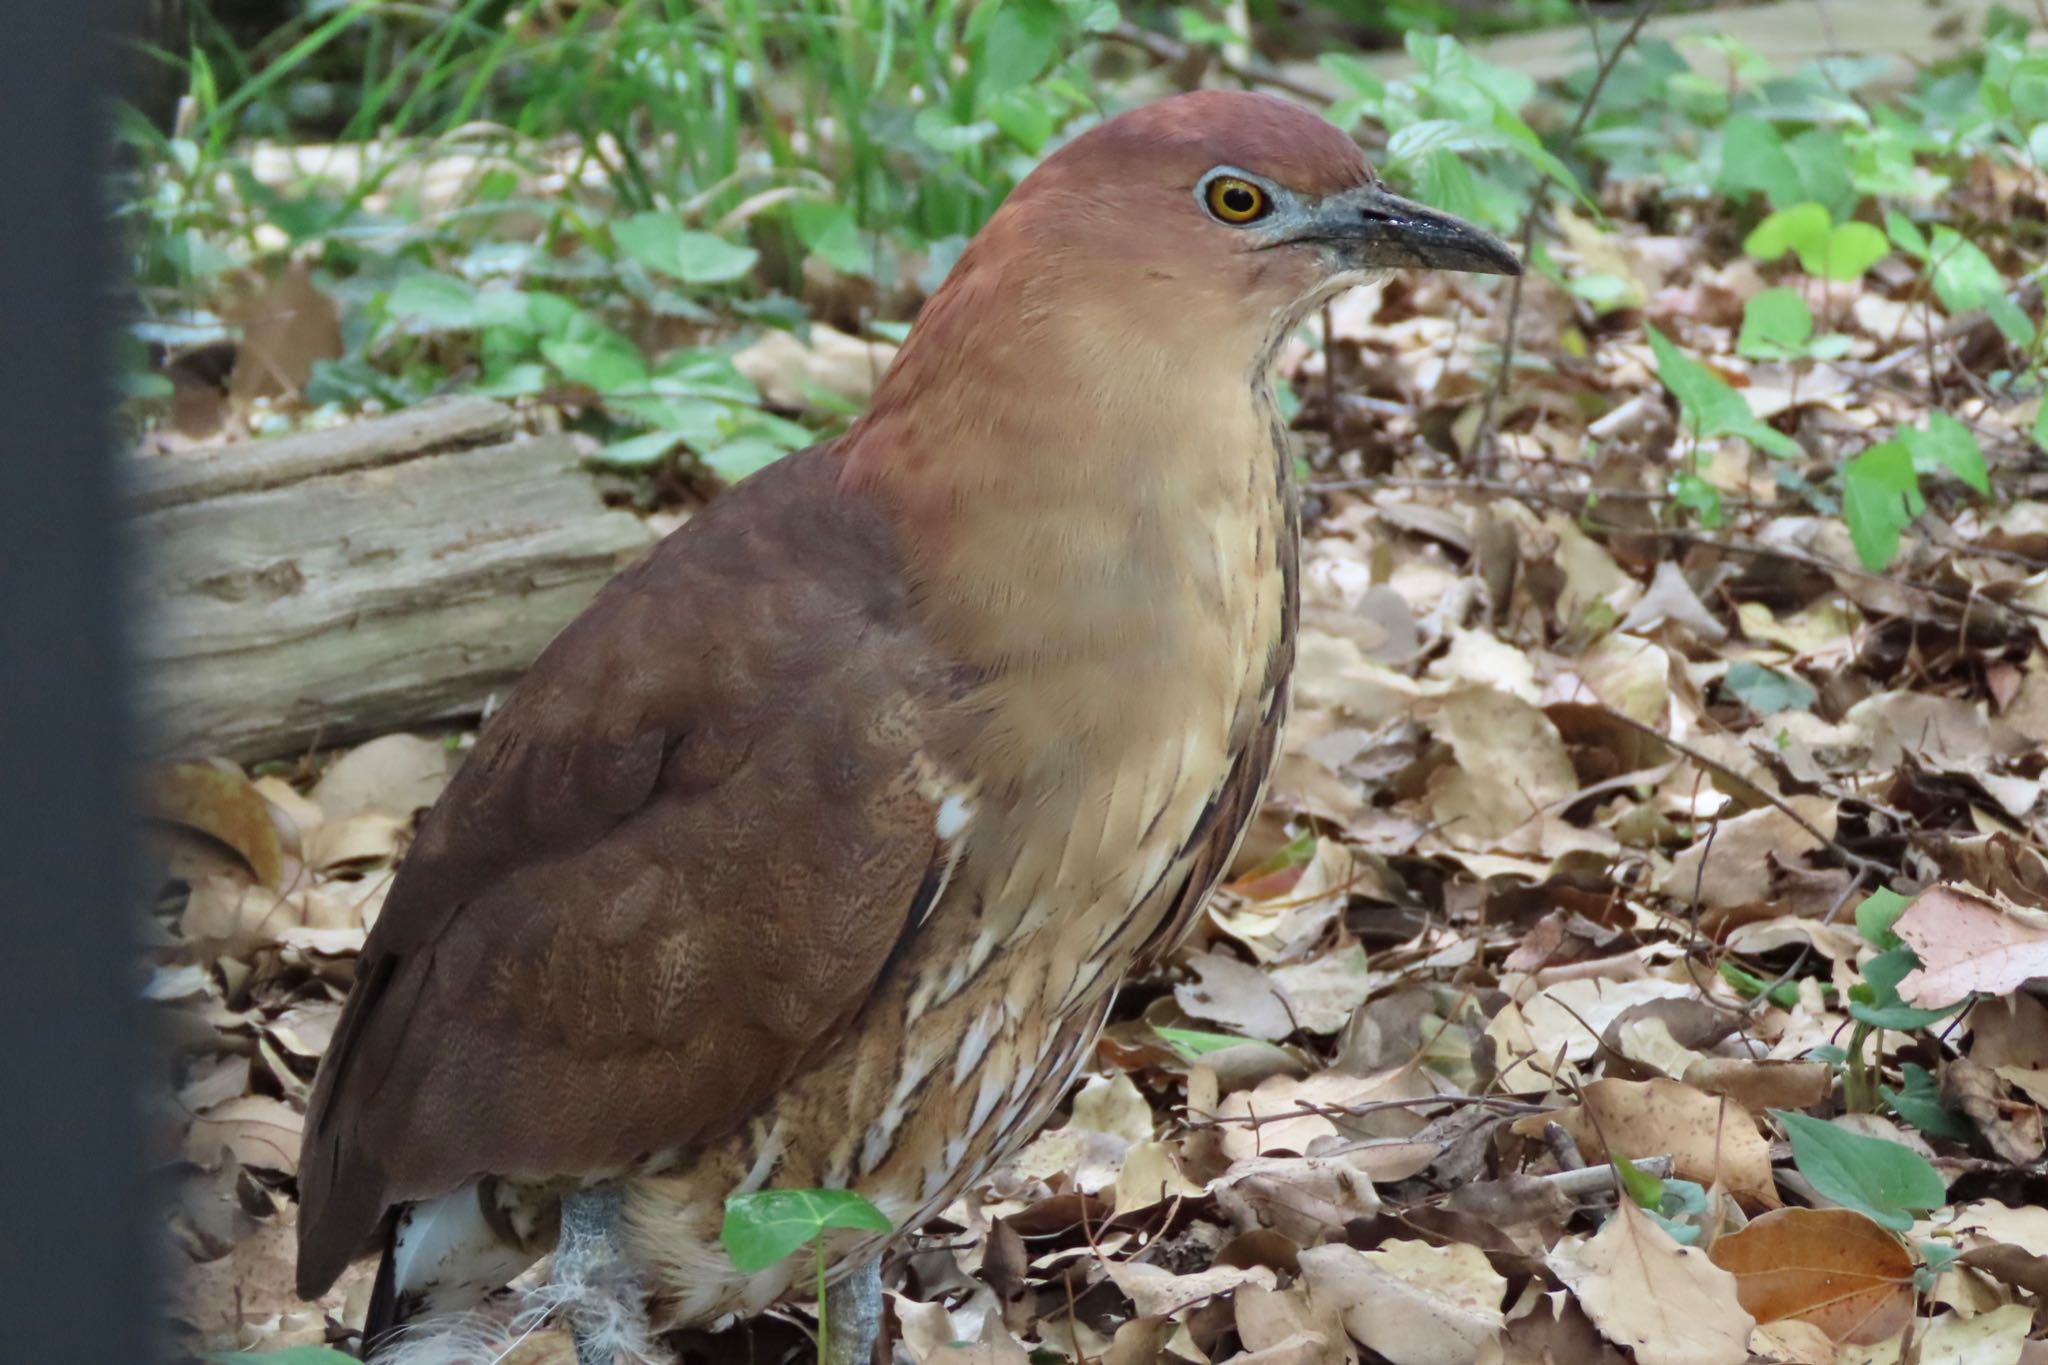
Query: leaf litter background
x: 1563, y: 860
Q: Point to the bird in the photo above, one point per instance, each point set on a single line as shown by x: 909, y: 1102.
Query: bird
x: 812, y: 853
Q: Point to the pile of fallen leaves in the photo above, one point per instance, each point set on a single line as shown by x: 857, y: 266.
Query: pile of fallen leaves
x: 1640, y: 955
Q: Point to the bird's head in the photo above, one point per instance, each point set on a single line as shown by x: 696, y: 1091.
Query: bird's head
x: 1220, y: 205
x: 1142, y: 270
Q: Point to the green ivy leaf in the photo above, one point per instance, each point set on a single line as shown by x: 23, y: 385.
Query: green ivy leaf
x: 1884, y: 1180
x: 1919, y: 1103
x: 762, y: 1228
x: 1880, y: 498
x: 1876, y: 914
x: 1715, y: 408
x: 1766, y: 691
x: 665, y: 246
x: 1948, y: 444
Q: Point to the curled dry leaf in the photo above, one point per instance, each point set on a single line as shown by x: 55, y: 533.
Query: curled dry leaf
x: 1667, y: 1303
x: 254, y: 1130
x: 219, y: 801
x: 1833, y: 1268
x: 1302, y: 1197
x: 1764, y: 1084
x: 1158, y: 1292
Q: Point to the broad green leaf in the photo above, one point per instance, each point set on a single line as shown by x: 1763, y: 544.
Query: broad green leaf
x: 1354, y: 75
x: 290, y: 1355
x: 2041, y: 424
x: 1964, y: 277
x: 1826, y: 249
x: 1714, y: 408
x: 1766, y: 691
x: 1905, y: 235
x: 1020, y: 40
x: 831, y: 231
x: 1749, y: 985
x: 1753, y: 157
x: 1918, y: 1102
x: 639, y: 450
x: 1776, y: 325
x: 1880, y: 498
x: 941, y: 132
x: 1948, y: 444
x: 1802, y: 228
x: 1884, y: 1180
x: 666, y: 247
x: 1876, y: 914
x: 1192, y: 1043
x: 442, y: 302
x: 597, y: 356
x: 1852, y: 248
x: 736, y: 459
x: 1875, y: 1001
x: 762, y: 1228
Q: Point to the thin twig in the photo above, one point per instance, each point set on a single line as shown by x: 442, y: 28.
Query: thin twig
x: 1164, y: 49
x: 1848, y: 856
x: 1483, y: 442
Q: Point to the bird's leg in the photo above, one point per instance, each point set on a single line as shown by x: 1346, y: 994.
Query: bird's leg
x: 853, y: 1316
x: 606, y: 1312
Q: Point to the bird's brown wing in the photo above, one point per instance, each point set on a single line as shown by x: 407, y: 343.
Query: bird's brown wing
x: 674, y: 866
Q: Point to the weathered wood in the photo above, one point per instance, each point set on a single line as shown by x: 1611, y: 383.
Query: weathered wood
x: 313, y: 589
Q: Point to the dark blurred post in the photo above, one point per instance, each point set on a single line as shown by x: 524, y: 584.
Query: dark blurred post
x: 73, y: 1254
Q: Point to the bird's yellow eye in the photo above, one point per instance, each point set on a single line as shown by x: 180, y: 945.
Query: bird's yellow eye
x: 1236, y: 201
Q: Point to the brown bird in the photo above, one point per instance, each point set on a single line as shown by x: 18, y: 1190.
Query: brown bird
x: 812, y: 853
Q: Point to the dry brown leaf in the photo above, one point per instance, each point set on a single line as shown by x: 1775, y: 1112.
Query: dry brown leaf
x: 1709, y: 1139
x: 1967, y: 945
x: 1667, y: 1303
x: 1238, y: 996
x: 1738, y: 860
x: 1833, y: 1268
x: 1510, y: 766
x: 1304, y: 1197
x: 1993, y: 1338
x: 1413, y: 1303
x: 1763, y: 1084
x: 392, y: 775
x: 219, y: 801
x: 1158, y: 1292
x: 252, y: 1129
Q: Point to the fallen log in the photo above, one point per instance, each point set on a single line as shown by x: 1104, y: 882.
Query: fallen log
x: 309, y: 590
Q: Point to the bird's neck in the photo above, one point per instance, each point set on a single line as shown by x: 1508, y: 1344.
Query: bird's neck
x: 1078, y: 501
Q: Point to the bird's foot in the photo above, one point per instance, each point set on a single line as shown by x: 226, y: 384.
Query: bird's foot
x: 853, y: 1316
x: 602, y: 1296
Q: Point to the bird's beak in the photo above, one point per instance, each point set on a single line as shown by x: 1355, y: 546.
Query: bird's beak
x: 1371, y: 229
